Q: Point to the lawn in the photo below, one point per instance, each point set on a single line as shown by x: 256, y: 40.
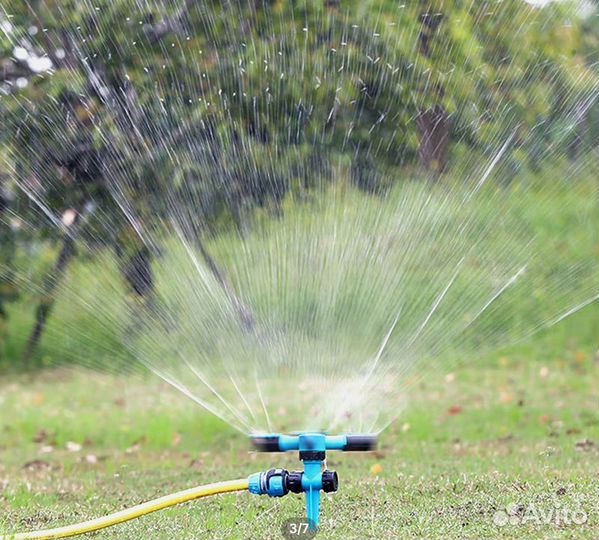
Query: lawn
x: 512, y: 437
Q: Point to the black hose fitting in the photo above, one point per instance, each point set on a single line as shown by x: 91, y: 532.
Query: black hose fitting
x: 294, y: 481
x: 330, y: 481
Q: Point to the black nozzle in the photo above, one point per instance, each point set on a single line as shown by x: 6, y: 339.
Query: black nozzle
x: 330, y: 481
x: 360, y: 443
x: 265, y: 443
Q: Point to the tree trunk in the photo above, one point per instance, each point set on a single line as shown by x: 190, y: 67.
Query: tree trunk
x: 45, y: 306
x: 245, y: 315
x: 433, y: 129
x: 8, y: 290
x: 137, y: 271
x: 53, y: 280
x: 433, y: 123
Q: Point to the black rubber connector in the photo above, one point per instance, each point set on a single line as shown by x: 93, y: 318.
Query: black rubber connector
x: 266, y: 444
x: 360, y: 443
x: 312, y: 455
x: 294, y: 481
x: 330, y: 481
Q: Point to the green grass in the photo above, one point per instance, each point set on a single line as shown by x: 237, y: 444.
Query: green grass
x: 520, y: 428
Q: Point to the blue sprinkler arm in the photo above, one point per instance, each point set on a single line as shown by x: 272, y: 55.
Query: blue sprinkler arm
x: 312, y: 449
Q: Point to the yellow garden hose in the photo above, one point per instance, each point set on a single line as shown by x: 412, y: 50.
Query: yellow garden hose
x: 134, y: 512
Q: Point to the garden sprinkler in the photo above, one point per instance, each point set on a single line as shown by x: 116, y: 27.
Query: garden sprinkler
x: 315, y: 477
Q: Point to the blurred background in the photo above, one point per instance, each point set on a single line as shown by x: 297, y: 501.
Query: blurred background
x: 433, y: 91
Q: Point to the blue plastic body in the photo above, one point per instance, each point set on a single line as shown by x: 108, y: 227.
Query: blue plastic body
x: 312, y: 484
x: 287, y: 443
x: 312, y: 477
x: 261, y: 484
x: 255, y: 484
x: 275, y: 487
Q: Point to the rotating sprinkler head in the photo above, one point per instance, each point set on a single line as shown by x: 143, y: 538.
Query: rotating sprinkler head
x: 315, y: 477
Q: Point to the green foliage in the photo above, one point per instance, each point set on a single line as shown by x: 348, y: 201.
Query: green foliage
x: 257, y: 92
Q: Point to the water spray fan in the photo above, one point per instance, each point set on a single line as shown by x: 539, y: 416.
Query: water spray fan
x: 315, y: 477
